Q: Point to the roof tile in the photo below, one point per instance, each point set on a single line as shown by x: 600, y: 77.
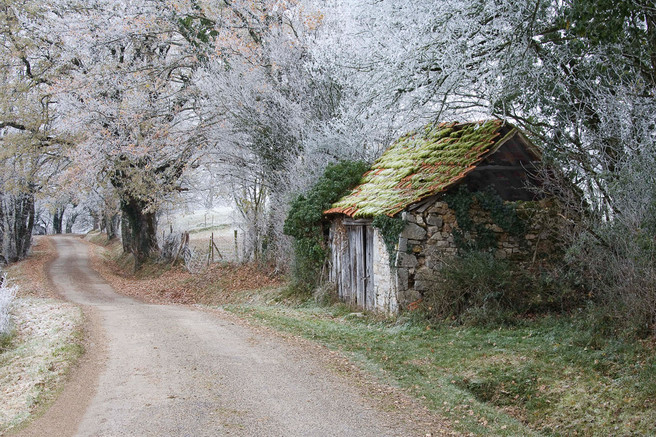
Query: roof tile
x: 419, y: 164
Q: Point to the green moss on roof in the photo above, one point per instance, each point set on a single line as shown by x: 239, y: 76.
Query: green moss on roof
x: 419, y: 164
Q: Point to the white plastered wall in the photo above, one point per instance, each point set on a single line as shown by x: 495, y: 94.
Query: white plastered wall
x: 384, y: 279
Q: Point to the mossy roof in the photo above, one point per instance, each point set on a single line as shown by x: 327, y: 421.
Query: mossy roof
x: 420, y: 164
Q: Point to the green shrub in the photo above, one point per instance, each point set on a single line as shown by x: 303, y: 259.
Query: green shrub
x: 305, y: 221
x: 476, y: 288
x: 474, y: 283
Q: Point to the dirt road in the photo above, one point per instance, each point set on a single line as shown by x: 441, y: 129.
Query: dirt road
x: 160, y: 370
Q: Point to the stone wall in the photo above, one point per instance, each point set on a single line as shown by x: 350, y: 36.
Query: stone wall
x: 427, y: 241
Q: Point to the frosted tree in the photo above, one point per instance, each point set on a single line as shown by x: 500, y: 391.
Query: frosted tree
x: 133, y: 100
x: 31, y: 148
x: 264, y: 104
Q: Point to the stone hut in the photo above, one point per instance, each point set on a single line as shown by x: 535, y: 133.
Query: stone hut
x: 409, y: 186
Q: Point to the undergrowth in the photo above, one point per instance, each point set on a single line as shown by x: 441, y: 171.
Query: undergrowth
x: 476, y: 288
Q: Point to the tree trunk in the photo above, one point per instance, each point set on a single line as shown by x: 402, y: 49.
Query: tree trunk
x: 70, y: 222
x: 58, y: 220
x: 17, y: 225
x: 139, y: 230
x: 111, y: 225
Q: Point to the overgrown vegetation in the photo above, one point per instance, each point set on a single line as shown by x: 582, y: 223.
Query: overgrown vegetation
x: 305, y: 221
x: 390, y: 228
x: 618, y: 265
x: 478, y: 288
x: 475, y: 288
x: 476, y: 236
x: 549, y: 375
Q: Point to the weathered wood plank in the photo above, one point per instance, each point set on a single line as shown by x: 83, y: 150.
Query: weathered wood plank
x: 355, y: 240
x: 361, y: 268
x: 370, y: 293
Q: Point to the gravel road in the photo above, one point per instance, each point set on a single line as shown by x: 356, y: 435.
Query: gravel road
x: 164, y: 370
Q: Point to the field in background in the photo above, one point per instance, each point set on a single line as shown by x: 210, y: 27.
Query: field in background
x: 220, y: 222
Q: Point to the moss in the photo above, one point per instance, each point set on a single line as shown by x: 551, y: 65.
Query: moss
x: 420, y: 164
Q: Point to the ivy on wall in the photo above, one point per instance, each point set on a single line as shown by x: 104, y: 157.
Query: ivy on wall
x: 502, y: 214
x: 390, y: 228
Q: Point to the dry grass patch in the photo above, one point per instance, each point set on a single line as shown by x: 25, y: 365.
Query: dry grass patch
x: 46, y: 342
x: 30, y: 274
x: 220, y: 283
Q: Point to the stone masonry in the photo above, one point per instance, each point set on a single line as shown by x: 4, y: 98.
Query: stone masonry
x: 427, y: 241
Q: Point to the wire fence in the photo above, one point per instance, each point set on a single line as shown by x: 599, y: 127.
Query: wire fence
x: 200, y: 251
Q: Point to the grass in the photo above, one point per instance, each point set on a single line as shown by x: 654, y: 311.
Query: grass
x: 46, y: 342
x: 98, y: 238
x: 545, y: 377
x: 6, y: 340
x: 220, y: 227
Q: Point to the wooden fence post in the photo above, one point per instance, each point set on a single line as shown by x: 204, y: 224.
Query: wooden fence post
x: 236, y: 247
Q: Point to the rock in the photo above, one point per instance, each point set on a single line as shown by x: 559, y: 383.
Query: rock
x: 402, y: 275
x: 434, y: 220
x: 408, y: 297
x: 423, y: 285
x: 434, y: 262
x: 424, y: 274
x: 439, y: 208
x: 413, y: 231
x: 404, y: 259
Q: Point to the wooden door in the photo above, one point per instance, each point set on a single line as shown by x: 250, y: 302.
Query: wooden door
x: 360, y: 241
